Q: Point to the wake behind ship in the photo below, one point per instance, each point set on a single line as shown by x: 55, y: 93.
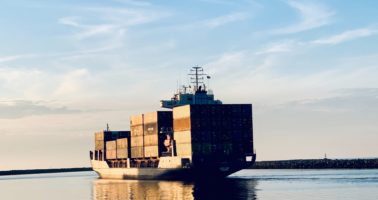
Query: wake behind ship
x: 197, y: 137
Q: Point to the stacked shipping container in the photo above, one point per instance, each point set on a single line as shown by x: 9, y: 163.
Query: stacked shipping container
x: 153, y: 139
x: 137, y: 143
x: 101, y: 143
x: 218, y: 130
x: 111, y: 149
x: 146, y: 140
x: 122, y: 148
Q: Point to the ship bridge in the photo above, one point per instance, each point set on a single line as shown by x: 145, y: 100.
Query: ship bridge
x: 196, y: 93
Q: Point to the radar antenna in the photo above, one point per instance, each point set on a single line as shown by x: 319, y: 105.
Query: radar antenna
x: 199, y: 93
x: 196, y: 78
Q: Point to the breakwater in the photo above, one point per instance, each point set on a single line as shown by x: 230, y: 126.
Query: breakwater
x: 42, y: 171
x: 318, y: 164
x: 274, y: 164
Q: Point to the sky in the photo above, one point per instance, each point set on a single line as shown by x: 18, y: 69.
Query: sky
x: 310, y: 69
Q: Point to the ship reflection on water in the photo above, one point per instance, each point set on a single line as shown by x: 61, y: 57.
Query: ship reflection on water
x: 127, y: 189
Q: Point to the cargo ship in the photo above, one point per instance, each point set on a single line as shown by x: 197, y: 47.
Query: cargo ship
x: 195, y: 136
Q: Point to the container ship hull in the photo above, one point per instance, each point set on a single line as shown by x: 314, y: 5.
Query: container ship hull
x: 105, y: 172
x: 199, y: 137
x: 102, y: 169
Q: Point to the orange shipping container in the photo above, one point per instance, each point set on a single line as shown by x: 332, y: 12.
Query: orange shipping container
x: 137, y: 152
x: 184, y: 149
x: 181, y: 124
x: 182, y: 137
x: 111, y: 145
x: 136, y: 120
x: 122, y: 143
x: 181, y: 112
x: 137, y: 141
x: 151, y: 151
x: 122, y: 153
x: 99, y: 135
x: 111, y: 154
x: 99, y: 145
x: 151, y: 140
x: 136, y: 130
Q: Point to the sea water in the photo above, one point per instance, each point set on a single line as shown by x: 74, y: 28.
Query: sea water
x: 246, y: 184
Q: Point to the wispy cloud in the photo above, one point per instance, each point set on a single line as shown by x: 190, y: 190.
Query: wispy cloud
x: 226, y: 62
x: 23, y: 108
x: 135, y: 2
x: 70, y: 21
x: 286, y: 46
x: 225, y: 19
x: 347, y: 36
x: 214, y: 22
x: 344, y: 100
x: 115, y: 21
x: 271, y: 76
x: 225, y: 2
x: 15, y: 57
x: 87, y: 30
x: 279, y: 47
x: 312, y: 15
x: 128, y: 16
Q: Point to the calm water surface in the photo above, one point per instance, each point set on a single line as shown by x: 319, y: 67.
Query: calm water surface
x: 246, y: 184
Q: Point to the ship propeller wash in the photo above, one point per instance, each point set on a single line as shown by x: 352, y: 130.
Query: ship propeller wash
x: 195, y: 136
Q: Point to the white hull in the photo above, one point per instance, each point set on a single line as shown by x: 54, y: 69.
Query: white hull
x: 103, y: 170
x: 172, y: 173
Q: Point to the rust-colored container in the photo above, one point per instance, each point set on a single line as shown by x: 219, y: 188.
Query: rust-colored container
x: 182, y: 124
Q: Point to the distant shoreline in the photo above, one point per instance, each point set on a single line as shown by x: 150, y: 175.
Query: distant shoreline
x: 318, y: 164
x: 43, y: 171
x: 274, y: 164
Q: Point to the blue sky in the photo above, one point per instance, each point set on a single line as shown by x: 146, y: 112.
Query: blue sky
x: 67, y: 68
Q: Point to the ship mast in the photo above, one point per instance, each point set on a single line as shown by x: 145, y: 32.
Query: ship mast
x: 197, y: 76
x: 199, y: 94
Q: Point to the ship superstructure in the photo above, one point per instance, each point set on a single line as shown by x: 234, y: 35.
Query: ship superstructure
x: 192, y: 94
x: 198, y: 137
